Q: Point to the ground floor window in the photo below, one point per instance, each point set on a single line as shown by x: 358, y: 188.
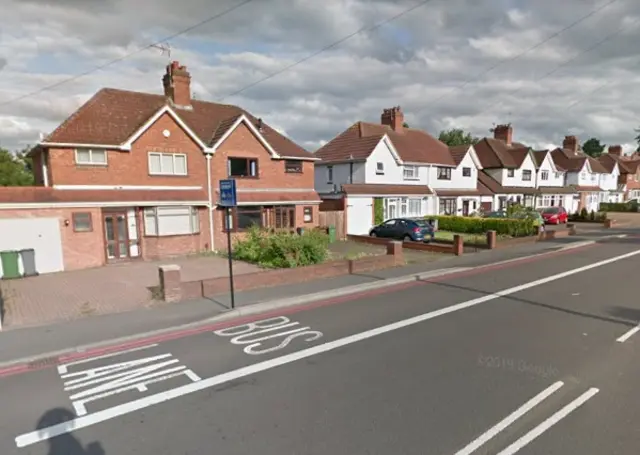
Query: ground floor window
x: 447, y: 206
x: 244, y: 217
x: 402, y: 207
x: 164, y: 221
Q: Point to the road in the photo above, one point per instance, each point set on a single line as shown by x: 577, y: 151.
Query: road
x: 540, y: 357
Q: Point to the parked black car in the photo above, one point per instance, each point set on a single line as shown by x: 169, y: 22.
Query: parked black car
x: 417, y: 230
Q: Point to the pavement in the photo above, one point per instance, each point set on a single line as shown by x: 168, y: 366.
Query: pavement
x: 539, y: 357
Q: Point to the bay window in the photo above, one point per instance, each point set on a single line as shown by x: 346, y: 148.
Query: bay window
x: 165, y: 221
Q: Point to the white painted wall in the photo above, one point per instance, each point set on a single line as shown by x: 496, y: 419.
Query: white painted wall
x: 458, y: 181
x: 393, y: 173
x: 502, y: 175
x: 41, y: 234
x: 610, y: 181
x: 554, y: 178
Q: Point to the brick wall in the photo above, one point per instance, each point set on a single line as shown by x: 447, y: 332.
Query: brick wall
x: 433, y: 247
x: 197, y: 289
x: 132, y: 168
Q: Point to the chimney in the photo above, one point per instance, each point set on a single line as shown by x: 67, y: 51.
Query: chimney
x: 570, y: 143
x: 503, y: 133
x: 393, y: 117
x: 615, y: 150
x: 177, y: 84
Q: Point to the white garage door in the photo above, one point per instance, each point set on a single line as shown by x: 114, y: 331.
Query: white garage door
x: 359, y: 215
x: 41, y: 234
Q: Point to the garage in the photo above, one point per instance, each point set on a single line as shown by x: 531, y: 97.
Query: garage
x: 39, y: 234
x: 359, y: 215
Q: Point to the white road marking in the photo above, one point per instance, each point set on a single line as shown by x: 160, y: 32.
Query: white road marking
x: 544, y: 426
x: 503, y: 424
x: 240, y: 334
x: 62, y: 369
x: 628, y: 335
x: 150, y: 400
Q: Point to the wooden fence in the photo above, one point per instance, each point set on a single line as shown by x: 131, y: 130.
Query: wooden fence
x: 333, y: 218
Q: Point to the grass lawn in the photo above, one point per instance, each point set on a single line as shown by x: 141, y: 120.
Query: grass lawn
x: 470, y: 238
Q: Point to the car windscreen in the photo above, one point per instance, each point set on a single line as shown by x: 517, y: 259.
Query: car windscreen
x: 551, y: 210
x: 421, y: 223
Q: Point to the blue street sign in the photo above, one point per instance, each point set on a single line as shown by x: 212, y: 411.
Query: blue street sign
x: 228, y: 193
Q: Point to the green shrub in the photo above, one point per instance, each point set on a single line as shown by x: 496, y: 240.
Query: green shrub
x: 378, y: 211
x: 282, y: 249
x: 619, y: 206
x: 503, y: 226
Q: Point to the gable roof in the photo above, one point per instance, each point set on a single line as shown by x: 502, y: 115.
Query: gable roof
x: 575, y: 161
x: 624, y: 165
x: 495, y: 153
x: 496, y: 187
x: 112, y: 116
x: 458, y: 152
x: 540, y: 155
x: 358, y: 141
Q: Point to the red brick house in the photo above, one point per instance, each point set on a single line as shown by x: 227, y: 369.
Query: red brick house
x: 136, y: 175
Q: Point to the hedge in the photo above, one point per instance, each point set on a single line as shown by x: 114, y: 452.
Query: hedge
x: 618, y: 206
x: 502, y: 226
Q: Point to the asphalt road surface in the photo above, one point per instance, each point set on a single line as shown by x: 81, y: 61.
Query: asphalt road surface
x: 540, y: 357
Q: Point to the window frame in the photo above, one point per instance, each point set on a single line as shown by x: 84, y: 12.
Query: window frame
x: 466, y: 171
x: 379, y: 168
x: 444, y: 202
x: 152, y: 212
x: 74, y: 221
x: 329, y: 174
x: 527, y: 175
x: 444, y: 173
x: 298, y: 167
x: 249, y: 160
x: 415, y: 172
x: 544, y: 175
x: 173, y: 156
x: 307, y: 209
x: 269, y: 217
x: 91, y: 161
x: 511, y: 173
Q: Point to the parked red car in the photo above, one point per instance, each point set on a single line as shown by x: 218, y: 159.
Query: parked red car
x: 554, y: 215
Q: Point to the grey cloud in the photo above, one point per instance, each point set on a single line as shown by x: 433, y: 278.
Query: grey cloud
x: 3, y: 63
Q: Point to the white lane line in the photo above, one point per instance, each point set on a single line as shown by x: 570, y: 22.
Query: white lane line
x: 62, y: 369
x: 544, y: 426
x: 150, y: 400
x: 628, y: 335
x: 503, y: 424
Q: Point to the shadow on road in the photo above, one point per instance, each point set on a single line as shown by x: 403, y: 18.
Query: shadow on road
x: 66, y: 444
x: 622, y: 319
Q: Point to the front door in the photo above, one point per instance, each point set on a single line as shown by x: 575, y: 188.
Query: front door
x: 116, y: 235
x: 465, y: 208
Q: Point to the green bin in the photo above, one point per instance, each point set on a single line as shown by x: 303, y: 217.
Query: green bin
x: 332, y: 234
x: 10, y: 267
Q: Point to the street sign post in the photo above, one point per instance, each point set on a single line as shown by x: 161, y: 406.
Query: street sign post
x: 228, y: 199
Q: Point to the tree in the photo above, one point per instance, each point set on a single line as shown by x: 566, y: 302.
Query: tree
x: 15, y: 169
x: 457, y: 136
x: 637, y: 130
x: 405, y: 125
x: 593, y: 147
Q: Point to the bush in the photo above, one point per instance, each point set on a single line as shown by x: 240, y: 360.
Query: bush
x: 378, y: 211
x: 619, y: 206
x: 584, y: 215
x: 282, y: 249
x: 502, y: 226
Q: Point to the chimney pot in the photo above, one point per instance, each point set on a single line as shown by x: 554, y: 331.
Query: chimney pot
x: 177, y: 84
x: 393, y: 117
x: 503, y: 133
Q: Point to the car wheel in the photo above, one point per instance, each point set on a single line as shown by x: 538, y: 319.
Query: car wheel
x: 373, y: 234
x: 407, y: 238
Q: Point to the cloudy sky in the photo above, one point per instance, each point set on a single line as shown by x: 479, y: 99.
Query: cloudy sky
x: 448, y: 63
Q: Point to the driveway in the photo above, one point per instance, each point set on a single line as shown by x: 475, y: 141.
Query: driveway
x: 115, y: 288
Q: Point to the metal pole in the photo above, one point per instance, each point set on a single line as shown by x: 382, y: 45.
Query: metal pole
x: 233, y: 302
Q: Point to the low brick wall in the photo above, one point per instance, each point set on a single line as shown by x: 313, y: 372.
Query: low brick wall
x: 543, y: 236
x: 446, y: 248
x: 173, y: 289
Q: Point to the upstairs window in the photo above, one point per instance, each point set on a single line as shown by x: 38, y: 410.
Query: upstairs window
x: 544, y: 175
x: 411, y: 172
x: 526, y: 175
x: 466, y: 172
x: 511, y: 172
x: 293, y: 167
x: 91, y: 157
x: 329, y: 174
x: 243, y: 167
x: 380, y: 168
x: 167, y: 163
x: 444, y: 173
